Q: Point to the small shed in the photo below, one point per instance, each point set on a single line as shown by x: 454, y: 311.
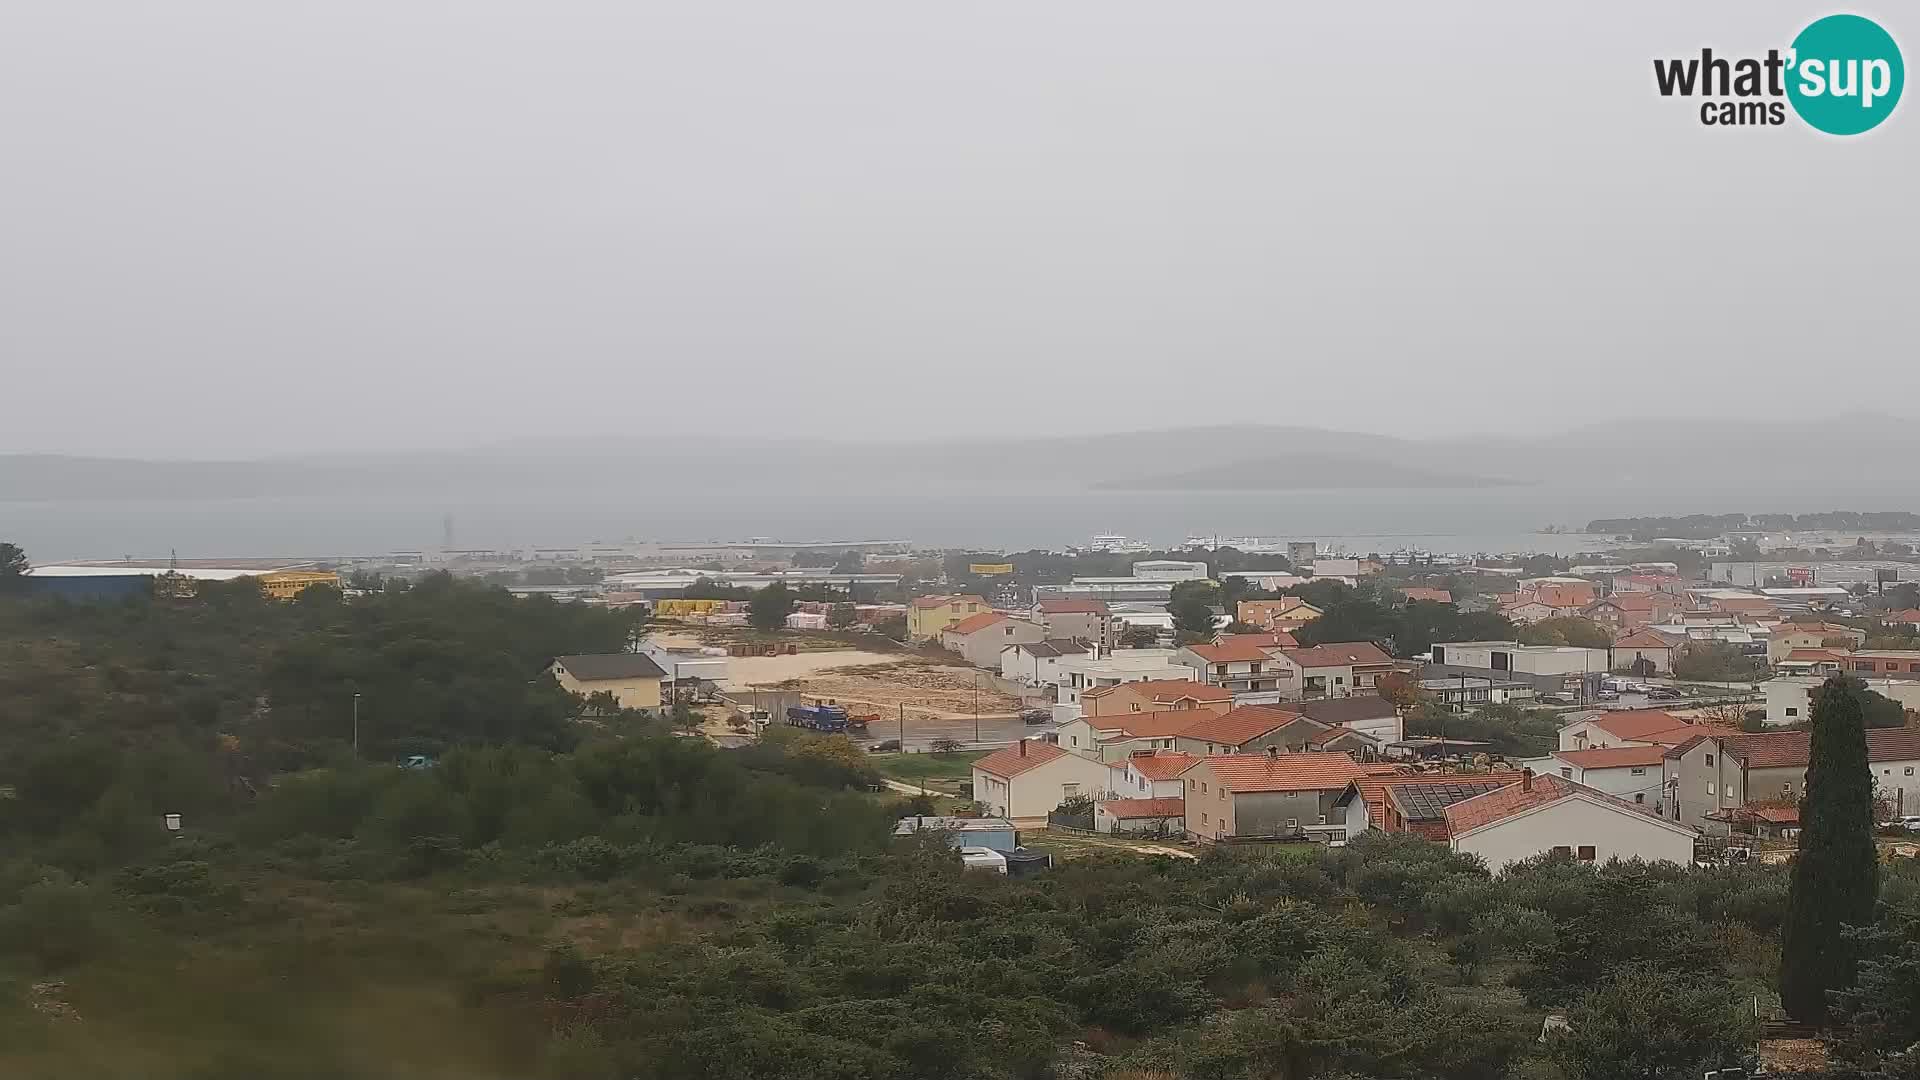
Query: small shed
x: 994, y: 833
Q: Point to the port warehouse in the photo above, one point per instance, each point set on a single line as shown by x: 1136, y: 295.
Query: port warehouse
x: 87, y: 582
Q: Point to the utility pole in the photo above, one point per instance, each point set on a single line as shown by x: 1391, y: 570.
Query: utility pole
x: 976, y: 708
x: 903, y: 727
x: 356, y: 725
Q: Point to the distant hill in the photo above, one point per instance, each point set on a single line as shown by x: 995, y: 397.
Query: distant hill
x: 1296, y: 472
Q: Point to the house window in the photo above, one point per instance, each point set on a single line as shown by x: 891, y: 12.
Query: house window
x: 1709, y: 787
x: 1637, y: 772
x: 1203, y: 787
x: 1787, y: 788
x: 1134, y: 707
x: 1204, y: 820
x: 1791, y: 711
x: 1293, y: 823
x: 1566, y: 772
x: 1562, y: 849
x: 1640, y: 797
x: 1586, y: 853
x: 1223, y: 794
x: 1323, y: 819
x: 1069, y: 791
x: 1339, y: 680
x: 1909, y: 770
x: 1709, y: 760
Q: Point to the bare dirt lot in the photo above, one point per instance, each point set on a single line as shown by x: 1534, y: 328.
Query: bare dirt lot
x: 927, y: 690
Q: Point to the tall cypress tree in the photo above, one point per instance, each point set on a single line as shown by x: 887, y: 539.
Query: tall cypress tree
x: 1836, y: 876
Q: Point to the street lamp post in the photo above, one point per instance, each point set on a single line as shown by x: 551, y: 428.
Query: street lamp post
x: 976, y: 708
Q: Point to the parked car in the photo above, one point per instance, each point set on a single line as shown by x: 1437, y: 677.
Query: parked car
x: 884, y: 746
x: 1663, y: 693
x: 1910, y: 823
x: 1035, y: 716
x: 1608, y: 695
x: 1555, y: 699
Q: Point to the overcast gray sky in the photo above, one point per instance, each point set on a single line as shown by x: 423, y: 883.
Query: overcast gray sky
x: 241, y: 227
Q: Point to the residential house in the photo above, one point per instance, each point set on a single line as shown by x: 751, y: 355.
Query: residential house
x: 1903, y: 617
x: 1645, y: 652
x: 1624, y: 611
x: 979, y: 638
x: 1335, y: 669
x: 1077, y: 620
x: 1690, y: 783
x: 1820, y: 662
x: 1788, y: 636
x: 1286, y: 614
x: 1539, y: 599
x: 632, y: 678
x: 1115, y: 737
x: 1368, y: 714
x: 1414, y: 592
x: 1149, y: 817
x: 1790, y: 698
x: 1079, y: 674
x: 1248, y: 729
x: 1632, y: 727
x: 1037, y: 663
x: 1267, y: 795
x: 1026, y: 781
x: 1511, y: 656
x: 1420, y: 809
x: 1776, y: 765
x: 1154, y: 695
x: 1148, y: 774
x: 1542, y: 814
x: 1528, y: 612
x: 1885, y: 663
x: 1731, y: 602
x: 1265, y: 639
x: 927, y: 616
x: 1237, y: 665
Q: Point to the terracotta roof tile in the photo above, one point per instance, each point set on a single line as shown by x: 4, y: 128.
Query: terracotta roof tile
x: 1174, y: 690
x: 1230, y: 652
x: 1614, y: 757
x: 1145, y: 808
x: 1239, y: 726
x: 1150, y: 725
x: 1643, y: 639
x: 1161, y: 764
x: 1372, y: 788
x: 1250, y: 773
x: 1277, y: 639
x: 1438, y: 596
x: 1009, y: 761
x: 975, y: 623
x: 1793, y: 749
x: 1482, y: 810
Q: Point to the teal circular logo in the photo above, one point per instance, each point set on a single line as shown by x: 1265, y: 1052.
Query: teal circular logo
x: 1846, y: 74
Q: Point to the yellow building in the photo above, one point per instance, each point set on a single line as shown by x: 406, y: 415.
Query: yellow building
x: 927, y: 616
x: 668, y: 608
x: 287, y: 584
x: 632, y: 679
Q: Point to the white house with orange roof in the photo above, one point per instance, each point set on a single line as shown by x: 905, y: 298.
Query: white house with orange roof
x: 1114, y: 738
x: 1241, y: 666
x: 1632, y: 727
x: 1148, y: 774
x: 1026, y: 781
x: 1543, y: 814
x: 980, y: 638
x: 1645, y: 652
x: 1154, y: 695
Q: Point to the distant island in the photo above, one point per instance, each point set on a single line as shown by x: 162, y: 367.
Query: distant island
x: 1707, y: 526
x: 1296, y: 472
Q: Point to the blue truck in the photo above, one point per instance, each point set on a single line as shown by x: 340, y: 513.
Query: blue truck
x: 827, y: 717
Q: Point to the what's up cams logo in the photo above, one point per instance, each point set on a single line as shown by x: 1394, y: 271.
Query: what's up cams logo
x: 1842, y: 75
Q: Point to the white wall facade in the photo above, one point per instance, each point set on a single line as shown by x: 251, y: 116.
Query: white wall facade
x: 1035, y: 792
x: 1574, y: 822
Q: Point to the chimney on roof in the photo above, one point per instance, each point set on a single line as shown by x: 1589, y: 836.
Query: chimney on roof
x: 1023, y: 748
x: 1273, y: 753
x: 1526, y: 779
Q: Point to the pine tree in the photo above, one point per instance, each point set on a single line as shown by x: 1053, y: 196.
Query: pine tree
x: 1837, y: 873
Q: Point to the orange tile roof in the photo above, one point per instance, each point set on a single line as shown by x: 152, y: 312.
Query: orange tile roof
x: 1236, y: 727
x: 1245, y: 774
x: 1150, y: 725
x: 1338, y: 654
x: 974, y: 623
x: 1161, y: 764
x: 1229, y: 651
x: 1009, y: 762
x: 1792, y: 749
x: 1636, y: 724
x: 1815, y: 655
x: 1145, y: 808
x: 1613, y: 757
x: 1562, y: 595
x: 1174, y: 689
x: 1439, y: 596
x: 1515, y: 799
x: 1905, y: 615
x: 1643, y: 639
